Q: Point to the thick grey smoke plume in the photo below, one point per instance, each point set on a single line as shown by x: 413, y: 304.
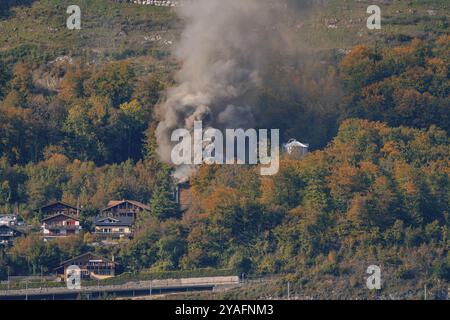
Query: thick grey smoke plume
x: 224, y: 49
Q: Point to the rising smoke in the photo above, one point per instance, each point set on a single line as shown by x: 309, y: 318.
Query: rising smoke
x: 225, y: 49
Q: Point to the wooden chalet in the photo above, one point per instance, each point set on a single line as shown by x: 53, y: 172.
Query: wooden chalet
x: 124, y: 208
x: 8, y: 234
x: 60, y: 225
x: 116, y: 221
x: 92, y: 266
x: 59, y: 207
x: 114, y: 227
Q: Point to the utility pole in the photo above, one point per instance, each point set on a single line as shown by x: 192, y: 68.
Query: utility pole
x: 26, y: 290
x: 289, y: 290
x: 425, y: 286
x: 8, y: 278
x: 151, y: 289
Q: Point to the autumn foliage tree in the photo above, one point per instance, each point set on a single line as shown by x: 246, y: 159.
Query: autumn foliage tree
x: 406, y: 85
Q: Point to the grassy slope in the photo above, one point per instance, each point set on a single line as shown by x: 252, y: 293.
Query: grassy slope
x: 110, y: 31
x: 43, y: 24
x: 113, y: 31
x: 399, y: 17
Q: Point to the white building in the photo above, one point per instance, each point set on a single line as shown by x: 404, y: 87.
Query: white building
x: 8, y: 220
x: 295, y: 148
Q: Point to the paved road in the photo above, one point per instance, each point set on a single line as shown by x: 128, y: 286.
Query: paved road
x: 130, y: 288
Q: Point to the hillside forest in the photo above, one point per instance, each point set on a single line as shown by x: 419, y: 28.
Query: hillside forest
x: 78, y: 125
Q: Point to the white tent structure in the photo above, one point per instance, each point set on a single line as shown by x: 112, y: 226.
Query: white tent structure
x: 296, y: 148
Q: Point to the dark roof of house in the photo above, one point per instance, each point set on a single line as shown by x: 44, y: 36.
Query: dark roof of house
x: 97, y: 257
x: 115, y: 203
x: 113, y: 221
x: 56, y: 203
x: 59, y: 214
x: 184, y: 184
x: 9, y: 227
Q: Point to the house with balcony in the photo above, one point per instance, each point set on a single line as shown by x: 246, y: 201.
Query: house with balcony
x: 114, y: 228
x: 124, y: 208
x: 92, y: 266
x: 60, y: 225
x: 59, y: 207
x: 8, y: 234
x: 116, y: 221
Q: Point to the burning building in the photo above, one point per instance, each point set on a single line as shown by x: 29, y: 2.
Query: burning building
x: 295, y: 149
x: 183, y: 196
x: 225, y: 53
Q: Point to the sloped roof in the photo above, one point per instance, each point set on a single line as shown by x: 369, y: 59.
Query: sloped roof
x: 294, y: 143
x: 83, y: 255
x: 115, y: 203
x: 59, y: 214
x: 9, y: 227
x: 117, y: 221
x: 56, y: 203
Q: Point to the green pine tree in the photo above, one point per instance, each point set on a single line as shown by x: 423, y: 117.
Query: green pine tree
x: 163, y: 205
